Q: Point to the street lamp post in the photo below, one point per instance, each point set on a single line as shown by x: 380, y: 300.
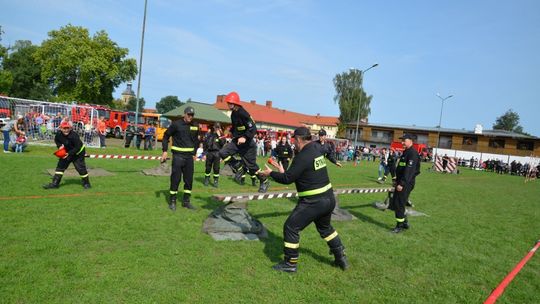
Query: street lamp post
x: 440, y: 120
x: 360, y: 101
x: 140, y: 67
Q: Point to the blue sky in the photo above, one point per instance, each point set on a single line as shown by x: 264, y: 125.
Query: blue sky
x: 485, y: 53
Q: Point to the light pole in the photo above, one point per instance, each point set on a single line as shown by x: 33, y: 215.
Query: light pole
x: 440, y: 119
x: 140, y: 67
x: 360, y: 101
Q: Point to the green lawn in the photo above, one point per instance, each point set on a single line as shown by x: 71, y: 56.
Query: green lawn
x: 119, y: 243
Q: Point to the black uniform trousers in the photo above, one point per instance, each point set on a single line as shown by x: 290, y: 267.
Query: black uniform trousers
x: 399, y: 200
x: 182, y: 165
x: 78, y: 162
x: 247, y: 151
x: 212, y: 162
x: 284, y: 162
x: 317, y: 209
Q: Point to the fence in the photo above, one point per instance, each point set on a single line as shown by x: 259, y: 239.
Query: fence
x: 41, y: 119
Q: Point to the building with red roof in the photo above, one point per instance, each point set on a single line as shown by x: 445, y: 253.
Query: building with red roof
x: 270, y: 118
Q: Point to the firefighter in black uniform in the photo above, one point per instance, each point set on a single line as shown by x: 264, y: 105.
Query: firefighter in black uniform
x: 284, y: 152
x: 213, y: 142
x: 73, y: 151
x: 315, y: 201
x: 184, y: 135
x: 243, y: 130
x: 327, y: 148
x: 408, y: 168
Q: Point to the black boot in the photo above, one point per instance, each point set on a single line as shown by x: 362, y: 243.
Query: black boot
x: 172, y: 202
x: 215, y: 185
x: 239, y: 176
x: 86, y: 183
x: 287, y: 265
x: 264, y: 185
x: 186, y: 203
x: 206, y: 180
x: 254, y: 181
x: 55, y: 184
x: 341, y: 259
x: 401, y: 226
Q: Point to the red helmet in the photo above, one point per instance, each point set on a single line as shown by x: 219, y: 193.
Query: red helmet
x: 65, y: 124
x: 233, y: 98
x: 61, y: 152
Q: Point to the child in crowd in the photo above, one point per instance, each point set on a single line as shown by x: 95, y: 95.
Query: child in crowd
x: 19, y: 143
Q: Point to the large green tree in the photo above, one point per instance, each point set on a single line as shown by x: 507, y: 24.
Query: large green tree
x: 509, y: 121
x: 132, y: 104
x: 6, y: 79
x: 83, y: 68
x: 168, y: 103
x: 351, y: 97
x: 26, y: 72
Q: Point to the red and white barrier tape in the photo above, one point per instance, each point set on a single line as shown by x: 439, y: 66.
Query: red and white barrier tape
x: 113, y: 156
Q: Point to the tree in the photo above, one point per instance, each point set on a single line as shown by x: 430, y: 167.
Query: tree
x: 167, y: 104
x: 6, y: 79
x: 509, y: 121
x: 26, y: 72
x: 83, y: 68
x: 132, y: 104
x: 350, y: 95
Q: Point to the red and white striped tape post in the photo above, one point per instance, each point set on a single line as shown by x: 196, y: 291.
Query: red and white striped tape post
x: 497, y: 292
x: 113, y: 156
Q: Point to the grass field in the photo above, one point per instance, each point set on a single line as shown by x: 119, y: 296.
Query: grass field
x: 119, y: 243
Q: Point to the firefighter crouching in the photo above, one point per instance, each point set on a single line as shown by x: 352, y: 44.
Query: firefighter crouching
x: 213, y: 142
x: 71, y: 150
x: 184, y: 135
x: 315, y: 201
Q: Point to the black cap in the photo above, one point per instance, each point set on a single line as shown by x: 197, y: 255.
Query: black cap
x: 408, y: 136
x: 189, y: 111
x: 302, y: 131
x: 322, y: 132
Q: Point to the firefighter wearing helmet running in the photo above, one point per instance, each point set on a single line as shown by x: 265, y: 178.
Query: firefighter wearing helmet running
x: 71, y: 150
x: 243, y: 130
x: 184, y: 133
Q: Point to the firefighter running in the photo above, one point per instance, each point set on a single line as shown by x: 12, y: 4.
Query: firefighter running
x: 243, y: 130
x: 213, y: 142
x: 407, y: 169
x: 315, y: 201
x: 71, y: 150
x: 184, y: 135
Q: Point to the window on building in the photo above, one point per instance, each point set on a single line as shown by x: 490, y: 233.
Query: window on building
x: 525, y: 145
x: 470, y: 141
x: 496, y: 143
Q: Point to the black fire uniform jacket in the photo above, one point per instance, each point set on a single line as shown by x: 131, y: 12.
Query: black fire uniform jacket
x: 408, y: 168
x: 308, y: 172
x: 213, y: 143
x: 72, y: 143
x: 185, y: 138
x: 327, y: 149
x: 242, y: 125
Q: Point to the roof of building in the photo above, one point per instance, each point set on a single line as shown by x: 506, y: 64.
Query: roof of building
x: 203, y: 111
x: 269, y: 114
x: 494, y: 133
x: 128, y: 90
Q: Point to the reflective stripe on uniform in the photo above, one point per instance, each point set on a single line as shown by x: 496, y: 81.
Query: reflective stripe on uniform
x: 331, y: 236
x: 82, y: 148
x: 173, y: 192
x: 216, y: 175
x: 402, y: 164
x: 292, y: 245
x: 241, y: 128
x: 182, y: 149
x: 315, y: 191
x: 187, y: 191
x: 83, y: 176
x: 227, y: 158
x: 400, y: 220
x: 207, y: 174
x: 58, y: 172
x: 193, y: 128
